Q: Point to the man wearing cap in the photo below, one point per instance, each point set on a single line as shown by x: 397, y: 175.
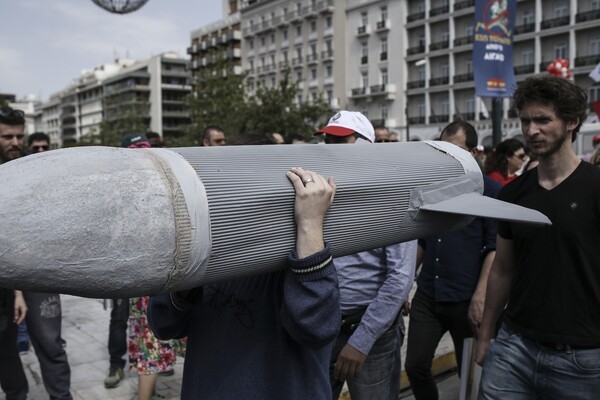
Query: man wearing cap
x: 373, y: 287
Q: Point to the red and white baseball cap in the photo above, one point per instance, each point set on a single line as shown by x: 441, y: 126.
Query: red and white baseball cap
x: 346, y: 123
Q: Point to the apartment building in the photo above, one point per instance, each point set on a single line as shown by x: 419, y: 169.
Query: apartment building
x: 405, y: 64
x: 158, y: 85
x: 439, y: 63
x: 220, y: 39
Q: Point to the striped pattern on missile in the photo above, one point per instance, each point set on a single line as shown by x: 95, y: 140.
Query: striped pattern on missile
x: 107, y: 222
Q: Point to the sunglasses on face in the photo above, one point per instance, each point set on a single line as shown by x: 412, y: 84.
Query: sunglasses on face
x: 37, y: 149
x: 11, y: 115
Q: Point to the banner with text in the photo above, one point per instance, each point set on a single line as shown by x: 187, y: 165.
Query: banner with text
x: 493, y: 69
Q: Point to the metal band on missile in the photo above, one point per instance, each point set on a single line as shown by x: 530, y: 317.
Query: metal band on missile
x: 109, y: 222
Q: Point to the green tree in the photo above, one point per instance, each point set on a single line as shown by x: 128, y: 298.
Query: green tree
x: 218, y: 98
x: 3, y: 102
x: 122, y: 115
x: 275, y: 109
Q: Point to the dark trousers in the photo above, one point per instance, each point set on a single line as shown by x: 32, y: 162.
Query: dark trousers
x: 117, y: 333
x: 429, y: 320
x: 12, y: 376
x: 44, y: 324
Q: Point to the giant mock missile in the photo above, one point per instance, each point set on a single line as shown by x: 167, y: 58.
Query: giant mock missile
x: 111, y: 222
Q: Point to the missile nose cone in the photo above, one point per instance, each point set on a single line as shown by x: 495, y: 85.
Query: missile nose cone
x: 93, y: 221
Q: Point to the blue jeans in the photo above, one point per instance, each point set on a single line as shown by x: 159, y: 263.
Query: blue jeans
x: 519, y: 368
x: 379, y: 378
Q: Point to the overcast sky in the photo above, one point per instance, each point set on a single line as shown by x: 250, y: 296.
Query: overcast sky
x: 45, y: 44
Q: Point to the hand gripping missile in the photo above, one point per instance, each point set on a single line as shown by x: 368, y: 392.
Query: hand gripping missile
x: 111, y: 222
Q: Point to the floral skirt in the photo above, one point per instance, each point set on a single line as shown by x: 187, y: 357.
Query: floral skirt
x: 147, y: 354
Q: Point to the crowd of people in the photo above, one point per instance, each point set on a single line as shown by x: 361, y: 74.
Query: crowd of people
x: 527, y: 294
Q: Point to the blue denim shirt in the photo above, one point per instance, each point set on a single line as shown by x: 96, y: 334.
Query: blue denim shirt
x: 452, y: 261
x: 380, y: 280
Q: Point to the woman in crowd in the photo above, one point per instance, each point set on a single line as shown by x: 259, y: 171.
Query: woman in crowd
x: 502, y: 164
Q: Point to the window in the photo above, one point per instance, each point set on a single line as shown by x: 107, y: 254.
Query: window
x: 328, y: 45
x: 384, y: 111
x: 262, y: 61
x: 527, y: 56
x: 328, y: 22
x: 364, y: 49
x: 313, y: 50
x: 384, y: 13
x: 364, y: 17
x: 299, y: 75
x: 384, y: 45
x: 470, y: 103
x: 313, y: 26
x: 422, y: 40
x: 285, y: 11
x: 284, y: 56
x: 595, y: 45
x: 298, y: 7
x: 329, y: 96
x: 421, y: 72
x: 365, y: 79
x: 251, y: 64
x: 272, y: 81
x: 299, y: 99
x: 560, y: 49
x: 272, y: 38
x: 445, y: 68
x: 445, y: 107
x: 469, y: 31
x: 365, y: 112
x: 328, y: 71
x: 528, y: 17
x: 561, y: 9
x: 272, y: 59
x: 313, y: 74
x: 313, y: 96
x: 285, y: 34
x: 384, y: 76
x: 262, y: 41
x: 298, y: 30
x: 298, y: 52
x: 445, y: 36
x: 251, y: 44
x: 595, y: 5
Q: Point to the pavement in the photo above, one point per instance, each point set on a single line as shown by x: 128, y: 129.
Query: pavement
x: 85, y: 329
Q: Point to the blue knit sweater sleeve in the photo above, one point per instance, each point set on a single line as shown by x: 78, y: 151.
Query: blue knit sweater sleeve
x: 310, y: 311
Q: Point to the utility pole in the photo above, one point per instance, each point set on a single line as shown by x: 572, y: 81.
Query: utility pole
x: 496, y: 120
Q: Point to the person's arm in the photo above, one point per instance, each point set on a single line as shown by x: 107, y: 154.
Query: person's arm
x: 20, y: 307
x: 498, y: 290
x: 475, y: 312
x: 310, y: 311
x: 382, y: 311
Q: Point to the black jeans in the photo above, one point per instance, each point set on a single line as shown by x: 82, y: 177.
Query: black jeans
x: 12, y: 376
x: 429, y: 320
x: 117, y: 333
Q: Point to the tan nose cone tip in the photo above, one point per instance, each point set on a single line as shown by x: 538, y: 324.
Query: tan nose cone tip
x: 106, y: 222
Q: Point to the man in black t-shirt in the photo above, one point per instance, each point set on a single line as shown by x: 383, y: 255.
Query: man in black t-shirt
x: 548, y: 277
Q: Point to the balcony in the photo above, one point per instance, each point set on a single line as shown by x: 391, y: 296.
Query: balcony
x: 415, y: 50
x: 358, y: 92
x: 524, y: 69
x: 555, y: 22
x: 362, y: 31
x: 327, y: 55
x: 297, y: 61
x: 460, y: 5
x: 525, y: 28
x: 325, y: 6
x: 461, y: 41
x: 587, y: 16
x: 544, y: 65
x: 587, y: 60
x: 416, y: 84
x: 438, y: 118
x: 382, y: 26
x: 443, y: 80
x: 383, y: 56
x: 444, y: 44
x: 312, y: 59
x: 438, y: 11
x: 415, y: 16
x: 468, y: 77
x: 382, y: 89
x: 416, y: 120
x: 464, y: 116
x: 364, y: 60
